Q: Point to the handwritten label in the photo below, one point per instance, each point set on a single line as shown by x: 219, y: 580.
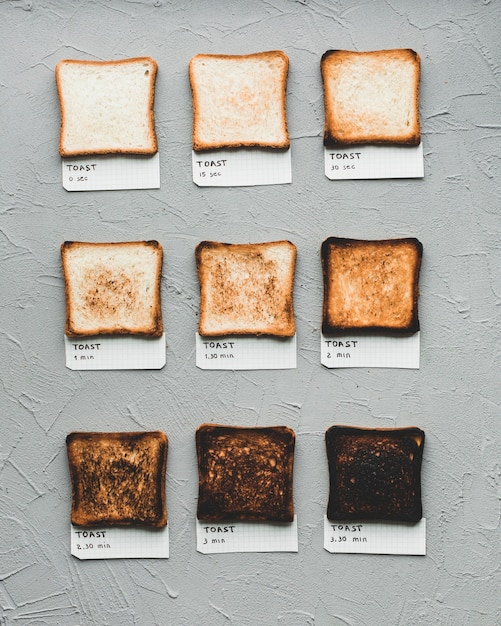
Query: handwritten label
x: 224, y: 537
x: 115, y: 353
x: 366, y: 162
x: 240, y: 168
x: 371, y: 351
x: 111, y: 172
x: 375, y: 537
x: 120, y: 543
x: 245, y: 353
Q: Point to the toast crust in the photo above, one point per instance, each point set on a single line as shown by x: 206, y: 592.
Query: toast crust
x: 371, y: 97
x: 245, y: 473
x: 239, y: 100
x: 375, y: 474
x: 371, y: 285
x: 118, y: 479
x: 78, y: 132
x: 246, y: 289
x: 107, y: 294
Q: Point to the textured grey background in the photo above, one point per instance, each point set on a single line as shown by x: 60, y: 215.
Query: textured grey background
x: 454, y: 397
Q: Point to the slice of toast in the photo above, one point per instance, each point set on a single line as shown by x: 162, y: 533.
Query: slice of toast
x: 371, y: 97
x: 245, y: 473
x: 118, y: 479
x: 239, y: 100
x: 107, y: 106
x: 371, y: 285
x: 375, y: 474
x: 112, y: 288
x: 246, y: 289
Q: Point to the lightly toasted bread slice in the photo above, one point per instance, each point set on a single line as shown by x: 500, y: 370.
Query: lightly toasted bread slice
x: 245, y: 473
x: 246, y: 289
x: 239, y: 100
x: 371, y: 97
x: 107, y: 106
x: 112, y: 288
x: 118, y: 479
x: 375, y: 474
x: 371, y: 285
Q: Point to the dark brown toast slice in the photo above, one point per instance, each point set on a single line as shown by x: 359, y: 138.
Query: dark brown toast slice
x: 239, y: 100
x: 112, y: 288
x: 245, y: 473
x: 371, y: 97
x: 246, y: 289
x: 375, y: 474
x: 118, y: 479
x: 371, y: 285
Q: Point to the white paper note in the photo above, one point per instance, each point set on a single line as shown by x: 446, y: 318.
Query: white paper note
x: 120, y: 543
x: 364, y: 162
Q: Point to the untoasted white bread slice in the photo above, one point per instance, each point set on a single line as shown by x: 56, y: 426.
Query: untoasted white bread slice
x: 239, y: 100
x: 107, y: 106
x: 371, y: 97
x: 112, y: 288
x: 118, y: 479
x: 371, y: 285
x: 246, y: 289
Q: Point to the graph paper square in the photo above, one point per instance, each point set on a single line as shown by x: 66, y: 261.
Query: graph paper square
x: 366, y: 162
x: 375, y: 537
x: 225, y: 537
x: 111, y: 172
x: 370, y: 351
x: 245, y: 353
x: 241, y: 168
x: 115, y: 353
x: 119, y: 543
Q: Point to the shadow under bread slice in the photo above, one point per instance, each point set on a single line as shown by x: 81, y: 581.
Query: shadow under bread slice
x: 118, y: 479
x: 375, y: 474
x: 371, y: 285
x: 245, y: 474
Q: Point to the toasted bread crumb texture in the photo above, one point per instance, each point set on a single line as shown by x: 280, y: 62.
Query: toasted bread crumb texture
x: 371, y: 97
x: 245, y: 473
x: 112, y: 288
x: 107, y: 106
x: 246, y: 288
x: 239, y: 100
x: 371, y: 284
x: 375, y: 474
x: 118, y: 478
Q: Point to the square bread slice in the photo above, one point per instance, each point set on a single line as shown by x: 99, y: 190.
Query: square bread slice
x: 371, y: 285
x: 375, y: 474
x: 239, y: 100
x: 245, y: 473
x: 118, y: 479
x: 112, y: 288
x: 246, y: 289
x: 371, y: 97
x: 107, y: 106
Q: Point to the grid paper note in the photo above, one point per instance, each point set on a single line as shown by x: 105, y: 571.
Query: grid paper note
x: 224, y: 537
x: 241, y: 167
x: 245, y: 353
x: 120, y: 543
x: 111, y: 172
x: 365, y: 162
x: 375, y: 537
x: 370, y: 351
x: 115, y: 353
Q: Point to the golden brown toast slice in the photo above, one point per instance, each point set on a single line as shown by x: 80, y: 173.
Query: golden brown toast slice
x: 246, y: 289
x: 112, y: 288
x: 118, y: 479
x: 245, y: 473
x: 371, y: 97
x: 375, y: 474
x: 371, y: 285
x: 239, y: 100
